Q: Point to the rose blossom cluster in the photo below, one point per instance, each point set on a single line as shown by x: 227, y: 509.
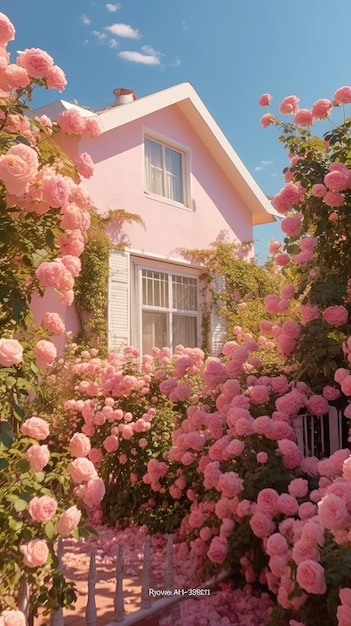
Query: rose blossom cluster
x: 45, y: 508
x: 30, y: 63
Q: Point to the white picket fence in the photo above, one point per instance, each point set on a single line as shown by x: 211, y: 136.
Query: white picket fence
x: 146, y: 610
x: 320, y: 436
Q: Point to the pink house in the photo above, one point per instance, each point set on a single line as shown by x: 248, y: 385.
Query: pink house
x: 164, y: 157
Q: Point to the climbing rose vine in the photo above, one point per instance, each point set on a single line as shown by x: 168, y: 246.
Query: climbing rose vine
x: 44, y: 217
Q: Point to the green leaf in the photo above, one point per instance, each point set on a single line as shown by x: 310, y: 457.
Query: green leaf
x: 15, y: 524
x: 20, y: 505
x: 50, y: 530
x: 3, y: 463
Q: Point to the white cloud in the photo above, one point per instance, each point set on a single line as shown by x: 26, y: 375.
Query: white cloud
x: 258, y: 168
x: 123, y: 30
x: 148, y: 56
x: 184, y: 25
x: 276, y: 174
x: 176, y: 61
x: 86, y: 21
x: 99, y: 36
x: 112, y: 8
x: 113, y: 43
x: 266, y: 162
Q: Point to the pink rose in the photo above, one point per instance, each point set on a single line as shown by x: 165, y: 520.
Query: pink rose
x: 321, y: 108
x: 35, y: 61
x: 73, y: 218
x: 85, y: 165
x: 111, y: 443
x: 298, y: 487
x: 308, y: 313
x: 38, y: 457
x: 274, y: 246
x: 261, y: 524
x: 92, y: 127
x: 55, y: 78
x: 94, y: 492
x: 7, y: 30
x: 332, y: 512
x: 11, y: 352
x: 261, y: 457
x: 287, y: 504
x: 68, y: 521
x: 310, y: 577
x: 343, y: 95
x: 217, y: 551
x: 72, y: 264
x: 267, y: 500
x: 42, y: 509
x: 291, y: 225
x: 79, y: 445
x: 16, y: 77
x: 345, y: 596
x: 266, y: 120
x: 303, y: 117
x: 330, y: 393
x: 54, y: 323
x: 12, y: 618
x: 81, y: 470
x: 45, y: 353
x: 289, y: 105
x: 259, y: 394
x: 265, y: 100
x: 336, y: 180
x: 35, y: 553
x: 54, y: 188
x: 17, y: 168
x: 317, y: 405
x: 71, y: 122
x: 276, y: 544
x: 343, y: 614
x: 333, y: 199
x: 336, y: 315
x: 48, y: 273
x: 35, y: 427
x: 318, y: 190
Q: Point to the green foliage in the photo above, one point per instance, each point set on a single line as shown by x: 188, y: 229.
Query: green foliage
x: 240, y: 302
x: 91, y: 288
x: 324, y: 280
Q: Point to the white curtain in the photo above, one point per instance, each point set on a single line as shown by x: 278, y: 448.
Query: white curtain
x: 173, y: 175
x: 153, y: 167
x: 185, y: 331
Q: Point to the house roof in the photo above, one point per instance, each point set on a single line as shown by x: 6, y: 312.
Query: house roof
x: 187, y: 100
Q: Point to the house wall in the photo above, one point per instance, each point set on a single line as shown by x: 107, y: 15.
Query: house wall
x: 215, y: 210
x: 118, y: 183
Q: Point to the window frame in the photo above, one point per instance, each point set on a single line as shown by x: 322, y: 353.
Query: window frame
x: 184, y: 151
x: 137, y: 299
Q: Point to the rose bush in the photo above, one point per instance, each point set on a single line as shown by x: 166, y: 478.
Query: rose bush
x: 226, y: 462
x: 39, y: 186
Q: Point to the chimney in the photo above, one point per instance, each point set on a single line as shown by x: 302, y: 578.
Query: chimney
x: 123, y: 96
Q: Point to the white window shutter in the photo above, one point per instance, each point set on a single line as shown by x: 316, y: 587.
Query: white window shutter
x: 218, y: 325
x: 118, y: 301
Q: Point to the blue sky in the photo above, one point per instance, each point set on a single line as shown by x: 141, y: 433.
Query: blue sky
x: 231, y: 51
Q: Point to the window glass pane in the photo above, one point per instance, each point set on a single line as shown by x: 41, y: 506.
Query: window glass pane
x: 155, y: 288
x: 184, y: 293
x: 153, y: 167
x: 173, y: 175
x: 184, y: 331
x: 155, y: 330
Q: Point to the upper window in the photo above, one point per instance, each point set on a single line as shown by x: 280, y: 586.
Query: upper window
x: 164, y: 171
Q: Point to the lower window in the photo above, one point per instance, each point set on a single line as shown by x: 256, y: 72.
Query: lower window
x: 169, y: 309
